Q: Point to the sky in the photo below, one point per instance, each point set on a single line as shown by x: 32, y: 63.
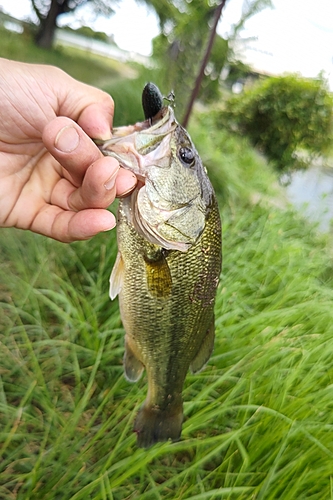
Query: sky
x: 295, y: 36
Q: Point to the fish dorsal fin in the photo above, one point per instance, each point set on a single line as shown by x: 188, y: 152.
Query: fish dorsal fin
x: 117, y: 277
x: 205, y: 350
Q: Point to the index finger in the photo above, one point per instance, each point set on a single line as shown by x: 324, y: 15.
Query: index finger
x: 96, y: 120
x: 89, y: 106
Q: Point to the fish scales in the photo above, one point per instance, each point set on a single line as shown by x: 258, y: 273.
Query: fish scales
x: 167, y: 269
x: 165, y: 328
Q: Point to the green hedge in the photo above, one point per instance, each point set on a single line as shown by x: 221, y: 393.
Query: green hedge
x: 282, y: 115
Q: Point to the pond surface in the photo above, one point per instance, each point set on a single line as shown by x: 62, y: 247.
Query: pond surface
x: 311, y: 192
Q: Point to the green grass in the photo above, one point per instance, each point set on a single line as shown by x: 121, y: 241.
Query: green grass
x: 99, y: 71
x: 259, y: 418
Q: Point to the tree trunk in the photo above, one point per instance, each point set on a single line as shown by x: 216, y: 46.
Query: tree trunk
x: 204, y: 62
x: 46, y: 32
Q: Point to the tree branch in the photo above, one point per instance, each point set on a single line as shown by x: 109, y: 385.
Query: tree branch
x: 204, y: 62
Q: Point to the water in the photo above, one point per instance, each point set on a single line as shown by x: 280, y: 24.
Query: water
x: 311, y: 192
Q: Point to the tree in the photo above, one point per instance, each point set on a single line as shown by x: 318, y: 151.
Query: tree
x: 180, y: 46
x: 182, y: 50
x: 48, y: 12
x: 207, y: 55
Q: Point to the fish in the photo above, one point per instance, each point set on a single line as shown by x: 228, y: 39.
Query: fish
x: 168, y: 265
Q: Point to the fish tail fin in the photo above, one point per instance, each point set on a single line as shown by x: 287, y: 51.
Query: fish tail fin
x: 154, y: 425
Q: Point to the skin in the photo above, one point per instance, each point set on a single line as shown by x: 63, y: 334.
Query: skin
x: 53, y: 178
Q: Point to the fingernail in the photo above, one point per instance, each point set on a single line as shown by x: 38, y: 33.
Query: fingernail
x: 111, y: 222
x: 110, y: 183
x: 110, y: 227
x: 67, y: 139
x: 130, y: 189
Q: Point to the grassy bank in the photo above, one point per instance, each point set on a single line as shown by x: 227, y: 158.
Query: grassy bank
x: 258, y: 420
x: 81, y: 64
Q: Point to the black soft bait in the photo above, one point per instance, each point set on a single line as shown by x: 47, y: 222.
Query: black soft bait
x: 152, y: 100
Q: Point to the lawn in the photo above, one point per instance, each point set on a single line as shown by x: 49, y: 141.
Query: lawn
x: 81, y: 64
x: 258, y: 420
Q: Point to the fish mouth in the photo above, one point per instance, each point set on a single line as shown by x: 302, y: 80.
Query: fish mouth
x: 140, y: 146
x: 146, y: 150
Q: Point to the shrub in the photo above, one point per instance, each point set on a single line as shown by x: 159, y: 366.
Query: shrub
x: 283, y: 115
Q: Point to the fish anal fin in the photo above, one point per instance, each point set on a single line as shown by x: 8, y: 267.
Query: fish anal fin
x: 205, y: 351
x: 159, y: 280
x: 153, y: 425
x: 133, y: 367
x: 117, y: 277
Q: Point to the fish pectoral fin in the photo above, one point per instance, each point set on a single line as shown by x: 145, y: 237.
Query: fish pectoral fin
x: 159, y: 280
x: 205, y: 350
x: 117, y: 277
x: 133, y: 367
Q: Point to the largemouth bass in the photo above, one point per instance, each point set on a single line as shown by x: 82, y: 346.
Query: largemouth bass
x: 168, y: 264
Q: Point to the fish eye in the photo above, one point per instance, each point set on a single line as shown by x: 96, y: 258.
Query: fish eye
x: 186, y: 155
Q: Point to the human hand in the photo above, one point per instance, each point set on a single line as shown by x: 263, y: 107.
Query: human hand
x: 53, y: 178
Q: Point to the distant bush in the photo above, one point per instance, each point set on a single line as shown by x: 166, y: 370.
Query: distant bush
x: 282, y: 116
x: 89, y: 33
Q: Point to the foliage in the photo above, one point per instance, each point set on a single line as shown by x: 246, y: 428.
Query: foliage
x: 231, y: 163
x: 283, y: 115
x: 249, y: 8
x: 128, y: 108
x: 180, y: 47
x: 178, y: 50
x: 43, y: 7
x: 127, y: 94
x: 81, y: 64
x: 258, y: 418
x: 89, y: 33
x: 48, y: 11
x: 166, y: 10
x: 237, y: 71
x: 211, y: 84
